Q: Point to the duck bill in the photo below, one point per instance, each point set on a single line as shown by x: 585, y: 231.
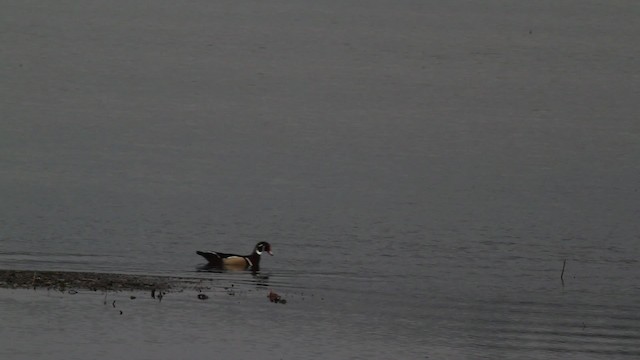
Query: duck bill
x: 270, y: 253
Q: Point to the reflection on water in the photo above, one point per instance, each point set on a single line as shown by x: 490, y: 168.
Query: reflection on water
x: 258, y: 277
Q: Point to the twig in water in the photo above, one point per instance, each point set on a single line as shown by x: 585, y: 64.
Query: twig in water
x: 564, y: 264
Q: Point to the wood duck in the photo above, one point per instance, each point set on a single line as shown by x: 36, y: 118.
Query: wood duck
x: 236, y: 262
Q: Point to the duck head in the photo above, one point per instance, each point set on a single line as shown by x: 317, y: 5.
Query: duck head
x: 262, y: 247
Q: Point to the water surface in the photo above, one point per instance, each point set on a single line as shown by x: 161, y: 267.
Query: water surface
x: 422, y: 170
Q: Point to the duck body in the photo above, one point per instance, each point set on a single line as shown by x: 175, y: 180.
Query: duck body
x: 236, y: 262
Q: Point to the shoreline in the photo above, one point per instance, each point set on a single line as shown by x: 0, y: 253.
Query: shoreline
x: 68, y: 280
x: 158, y: 285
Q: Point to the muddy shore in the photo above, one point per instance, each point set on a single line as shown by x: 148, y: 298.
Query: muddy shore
x: 67, y: 280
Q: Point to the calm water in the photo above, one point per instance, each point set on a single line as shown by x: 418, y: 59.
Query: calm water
x: 422, y: 170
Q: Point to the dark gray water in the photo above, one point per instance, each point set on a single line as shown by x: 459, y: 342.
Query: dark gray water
x: 422, y: 170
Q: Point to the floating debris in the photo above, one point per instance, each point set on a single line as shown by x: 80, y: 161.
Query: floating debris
x: 202, y: 297
x: 275, y: 298
x: 73, y: 292
x: 132, y: 297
